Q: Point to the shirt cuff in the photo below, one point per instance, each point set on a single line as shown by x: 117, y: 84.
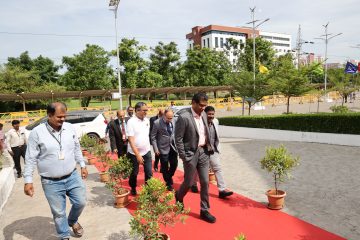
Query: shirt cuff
x: 82, y: 164
x: 28, y: 180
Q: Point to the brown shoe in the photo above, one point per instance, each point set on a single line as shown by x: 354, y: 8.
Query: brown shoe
x: 77, y: 229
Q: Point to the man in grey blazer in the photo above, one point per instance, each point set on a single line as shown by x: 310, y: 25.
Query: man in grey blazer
x: 162, y: 139
x: 192, y: 143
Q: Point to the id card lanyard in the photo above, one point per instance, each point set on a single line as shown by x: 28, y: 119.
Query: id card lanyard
x: 61, y: 153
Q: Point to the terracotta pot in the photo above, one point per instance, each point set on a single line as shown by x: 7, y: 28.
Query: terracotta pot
x: 104, y: 176
x: 92, y: 160
x: 276, y: 201
x: 122, y: 200
x: 212, y: 178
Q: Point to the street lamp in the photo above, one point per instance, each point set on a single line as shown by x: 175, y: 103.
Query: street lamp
x: 326, y: 38
x: 252, y: 10
x: 299, y: 43
x: 114, y: 4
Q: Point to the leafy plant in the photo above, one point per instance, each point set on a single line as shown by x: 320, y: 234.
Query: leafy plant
x: 279, y: 162
x: 155, y: 208
x: 339, y: 109
x: 87, y: 142
x: 119, y: 170
x: 241, y: 236
x: 103, y: 155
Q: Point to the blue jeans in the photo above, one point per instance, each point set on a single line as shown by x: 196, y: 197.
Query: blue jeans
x: 135, y: 171
x: 56, y: 192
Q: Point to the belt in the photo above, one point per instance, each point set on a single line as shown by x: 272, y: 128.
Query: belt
x: 59, y: 178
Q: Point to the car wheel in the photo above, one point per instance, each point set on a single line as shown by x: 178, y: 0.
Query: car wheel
x: 93, y: 135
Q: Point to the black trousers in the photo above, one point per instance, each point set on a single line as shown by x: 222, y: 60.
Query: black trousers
x: 169, y: 163
x: 156, y: 163
x: 18, y: 152
x: 122, y: 150
x: 135, y: 171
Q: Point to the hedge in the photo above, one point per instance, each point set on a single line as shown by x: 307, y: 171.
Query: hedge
x: 348, y: 123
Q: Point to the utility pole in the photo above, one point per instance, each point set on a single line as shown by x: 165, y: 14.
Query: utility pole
x: 325, y: 37
x: 252, y: 11
x: 299, y: 43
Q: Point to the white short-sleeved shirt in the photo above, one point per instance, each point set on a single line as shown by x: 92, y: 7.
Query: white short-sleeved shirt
x: 139, y: 129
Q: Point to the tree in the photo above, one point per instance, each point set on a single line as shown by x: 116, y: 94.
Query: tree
x: 88, y: 70
x: 24, y: 61
x: 343, y: 82
x: 287, y: 80
x: 264, y: 54
x: 164, y: 60
x: 234, y: 48
x: 206, y: 67
x: 243, y: 84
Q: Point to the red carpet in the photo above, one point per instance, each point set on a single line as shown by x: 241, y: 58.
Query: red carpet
x: 236, y: 215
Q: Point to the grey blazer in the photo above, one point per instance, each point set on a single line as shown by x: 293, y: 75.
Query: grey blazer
x: 161, y: 140
x: 187, y: 135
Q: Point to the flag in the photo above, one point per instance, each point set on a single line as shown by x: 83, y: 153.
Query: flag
x: 263, y: 69
x: 359, y: 67
x: 351, y: 68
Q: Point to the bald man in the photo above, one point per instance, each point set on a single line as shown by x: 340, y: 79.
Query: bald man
x: 117, y: 134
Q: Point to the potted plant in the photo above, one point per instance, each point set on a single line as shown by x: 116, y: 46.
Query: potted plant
x: 119, y: 170
x: 241, y: 236
x: 87, y: 144
x: 155, y: 208
x: 104, y: 160
x: 279, y: 162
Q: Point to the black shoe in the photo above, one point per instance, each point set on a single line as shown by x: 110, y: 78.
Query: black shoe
x: 178, y: 201
x: 169, y: 188
x: 194, y: 189
x: 224, y: 194
x: 206, y: 216
x: 133, y: 192
x: 19, y: 175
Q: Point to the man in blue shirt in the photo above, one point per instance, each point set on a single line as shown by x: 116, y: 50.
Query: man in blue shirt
x: 54, y: 148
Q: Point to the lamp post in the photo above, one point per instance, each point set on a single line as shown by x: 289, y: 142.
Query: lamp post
x: 325, y: 37
x: 252, y: 10
x: 299, y: 43
x: 114, y: 4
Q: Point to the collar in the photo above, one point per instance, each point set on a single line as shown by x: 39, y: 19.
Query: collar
x: 141, y: 120
x: 195, y: 114
x: 52, y: 129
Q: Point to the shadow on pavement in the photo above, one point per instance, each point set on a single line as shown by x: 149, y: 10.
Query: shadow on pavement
x: 103, y: 197
x: 120, y: 236
x: 33, y: 228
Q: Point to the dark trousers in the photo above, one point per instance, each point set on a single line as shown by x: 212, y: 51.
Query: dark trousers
x: 169, y: 164
x: 156, y: 163
x: 122, y: 150
x: 135, y: 171
x: 18, y: 152
x: 200, y: 164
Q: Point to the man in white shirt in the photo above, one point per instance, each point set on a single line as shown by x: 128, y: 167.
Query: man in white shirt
x: 16, y: 144
x: 138, y: 128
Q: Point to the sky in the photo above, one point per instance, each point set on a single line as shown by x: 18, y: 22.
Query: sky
x: 58, y: 28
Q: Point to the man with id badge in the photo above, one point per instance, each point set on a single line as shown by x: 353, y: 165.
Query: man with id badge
x: 55, y: 149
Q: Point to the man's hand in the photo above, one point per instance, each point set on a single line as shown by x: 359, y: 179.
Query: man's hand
x: 157, y: 153
x: 29, y: 189
x: 140, y: 159
x: 115, y: 151
x: 84, y: 173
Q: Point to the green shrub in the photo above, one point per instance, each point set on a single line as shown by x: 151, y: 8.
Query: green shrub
x: 339, y: 109
x: 345, y: 123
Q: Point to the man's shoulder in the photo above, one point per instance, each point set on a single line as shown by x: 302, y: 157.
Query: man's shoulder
x: 186, y: 112
x: 39, y: 127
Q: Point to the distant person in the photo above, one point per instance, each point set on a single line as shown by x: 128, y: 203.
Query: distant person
x: 192, y: 143
x: 162, y: 137
x: 138, y: 128
x: 16, y: 144
x: 54, y: 148
x: 172, y: 103
x: 117, y: 134
x: 108, y: 127
x: 4, y: 153
x: 215, y: 156
x: 130, y: 111
x: 152, y: 120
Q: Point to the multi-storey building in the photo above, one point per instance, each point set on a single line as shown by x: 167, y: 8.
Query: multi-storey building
x: 216, y: 37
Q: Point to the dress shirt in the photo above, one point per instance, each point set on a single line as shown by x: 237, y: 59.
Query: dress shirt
x: 45, y: 145
x: 139, y: 129
x: 15, y: 138
x: 200, y: 127
x: 2, y: 140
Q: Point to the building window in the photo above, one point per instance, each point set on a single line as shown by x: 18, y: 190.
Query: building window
x: 216, y: 42
x: 208, y: 40
x: 204, y: 43
x: 221, y: 42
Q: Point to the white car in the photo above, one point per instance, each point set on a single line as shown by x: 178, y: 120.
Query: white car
x: 92, y: 123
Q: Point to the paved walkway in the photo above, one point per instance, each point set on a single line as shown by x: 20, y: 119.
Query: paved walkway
x: 325, y: 191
